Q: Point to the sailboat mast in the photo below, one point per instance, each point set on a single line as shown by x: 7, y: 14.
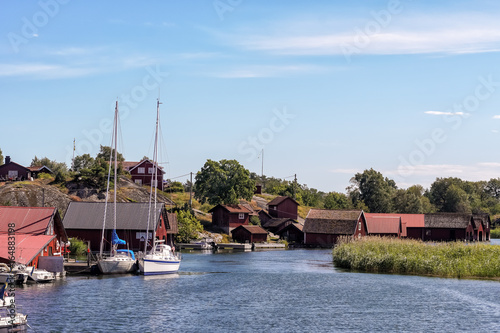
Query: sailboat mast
x: 116, y: 166
x: 155, y: 166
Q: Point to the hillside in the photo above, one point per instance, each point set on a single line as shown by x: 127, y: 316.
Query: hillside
x: 41, y: 192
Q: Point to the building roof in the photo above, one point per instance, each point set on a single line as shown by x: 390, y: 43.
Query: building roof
x: 90, y: 215
x: 31, y: 220
x: 253, y: 229
x: 137, y: 164
x: 263, y: 211
x: 377, y: 224
x: 447, y: 220
x: 27, y: 246
x: 232, y: 209
x: 276, y: 201
x: 10, y: 163
x: 295, y: 225
x: 338, y: 222
x: 39, y: 168
x: 276, y: 222
x: 407, y: 220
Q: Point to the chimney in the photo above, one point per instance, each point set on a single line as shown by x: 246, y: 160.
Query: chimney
x: 7, y: 159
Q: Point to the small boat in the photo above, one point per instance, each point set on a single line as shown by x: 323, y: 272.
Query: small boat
x: 161, y: 259
x: 17, y: 273
x: 10, y: 319
x: 119, y: 261
x: 39, y: 275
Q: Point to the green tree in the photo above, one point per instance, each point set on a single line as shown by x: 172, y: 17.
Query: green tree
x: 189, y: 226
x: 335, y: 200
x: 456, y: 200
x: 223, y: 182
x: 407, y: 202
x: 96, y: 175
x: 51, y: 164
x: 84, y: 161
x: 175, y: 187
x: 374, y: 190
x: 492, y: 187
x: 105, y: 153
x: 254, y: 220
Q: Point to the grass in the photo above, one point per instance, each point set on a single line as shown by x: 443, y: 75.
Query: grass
x: 390, y: 255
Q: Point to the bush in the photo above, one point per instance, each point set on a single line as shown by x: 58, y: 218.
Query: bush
x: 495, y: 233
x: 254, y: 220
x: 189, y: 226
x: 78, y: 247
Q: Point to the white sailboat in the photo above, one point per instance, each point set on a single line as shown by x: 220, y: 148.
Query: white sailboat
x: 161, y: 259
x: 119, y: 261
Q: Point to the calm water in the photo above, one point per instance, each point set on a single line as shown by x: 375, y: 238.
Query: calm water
x: 274, y: 291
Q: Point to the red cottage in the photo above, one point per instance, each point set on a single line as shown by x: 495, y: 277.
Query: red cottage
x: 322, y: 227
x: 228, y: 217
x: 283, y: 207
x: 84, y: 220
x: 378, y: 225
x: 264, y: 216
x: 292, y: 233
x: 39, y: 232
x: 13, y: 171
x: 36, y: 170
x: 446, y: 226
x: 273, y: 225
x: 142, y: 171
x: 249, y: 234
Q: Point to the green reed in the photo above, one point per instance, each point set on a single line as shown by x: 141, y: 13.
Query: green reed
x: 392, y: 255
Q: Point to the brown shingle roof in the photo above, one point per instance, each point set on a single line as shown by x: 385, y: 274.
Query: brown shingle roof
x: 338, y: 222
x: 278, y: 200
x: 447, y: 220
x: 232, y: 209
x: 276, y: 222
x: 253, y: 229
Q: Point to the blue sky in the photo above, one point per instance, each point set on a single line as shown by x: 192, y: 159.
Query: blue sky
x: 326, y: 88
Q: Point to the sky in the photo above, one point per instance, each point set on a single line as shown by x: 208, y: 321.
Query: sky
x: 325, y: 89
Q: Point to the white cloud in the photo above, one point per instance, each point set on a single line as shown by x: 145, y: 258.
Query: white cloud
x: 267, y: 71
x: 497, y: 116
x: 446, y: 113
x: 44, y: 71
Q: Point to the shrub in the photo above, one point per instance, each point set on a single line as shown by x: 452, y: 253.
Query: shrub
x: 77, y: 247
x: 495, y: 233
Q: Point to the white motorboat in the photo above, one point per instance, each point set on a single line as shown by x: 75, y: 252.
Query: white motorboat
x: 161, y: 259
x: 10, y: 319
x: 39, y: 275
x: 17, y: 273
x: 119, y: 261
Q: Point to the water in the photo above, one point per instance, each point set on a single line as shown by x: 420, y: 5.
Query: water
x: 274, y: 291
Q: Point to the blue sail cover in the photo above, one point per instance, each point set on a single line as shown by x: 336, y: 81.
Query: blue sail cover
x: 116, y: 240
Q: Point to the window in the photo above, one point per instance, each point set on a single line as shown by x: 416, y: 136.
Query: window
x: 241, y: 216
x: 274, y: 207
x: 12, y: 173
x: 150, y: 170
x: 138, y: 181
x: 141, y: 170
x: 359, y: 226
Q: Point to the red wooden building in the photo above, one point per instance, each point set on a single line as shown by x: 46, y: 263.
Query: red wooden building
x: 249, y: 234
x: 264, y: 216
x: 142, y: 172
x: 381, y: 225
x: 85, y: 221
x: 322, y: 226
x: 446, y: 226
x: 273, y: 225
x: 13, y: 171
x: 39, y: 231
x: 292, y: 233
x: 36, y: 170
x: 283, y: 207
x: 228, y: 217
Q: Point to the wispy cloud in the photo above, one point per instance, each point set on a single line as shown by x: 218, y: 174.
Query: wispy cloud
x: 497, y: 116
x: 43, y: 71
x: 447, y: 33
x: 446, y: 113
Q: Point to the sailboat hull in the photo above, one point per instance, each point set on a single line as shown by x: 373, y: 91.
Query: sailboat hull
x: 158, y: 266
x: 113, y: 265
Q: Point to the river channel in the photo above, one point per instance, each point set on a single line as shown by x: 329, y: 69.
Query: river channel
x: 263, y: 291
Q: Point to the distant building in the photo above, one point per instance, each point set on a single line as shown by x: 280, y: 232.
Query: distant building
x: 13, y: 171
x: 258, y: 189
x: 273, y: 225
x: 381, y: 225
x: 39, y: 232
x: 264, y: 216
x: 323, y: 227
x: 249, y: 234
x: 36, y: 170
x: 142, y: 172
x: 292, y: 233
x: 85, y: 221
x: 228, y: 217
x: 283, y: 207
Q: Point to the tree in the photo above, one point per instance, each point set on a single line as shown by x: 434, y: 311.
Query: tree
x: 1, y: 157
x: 106, y: 151
x: 223, y: 182
x: 96, y: 175
x: 84, y: 161
x: 51, y: 164
x: 189, y: 226
x: 374, y: 190
x: 254, y: 220
x: 335, y: 200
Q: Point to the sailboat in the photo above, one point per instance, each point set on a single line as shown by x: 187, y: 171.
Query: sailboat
x: 119, y: 261
x: 161, y: 259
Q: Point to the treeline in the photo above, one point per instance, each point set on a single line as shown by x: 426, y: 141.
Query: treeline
x: 372, y: 192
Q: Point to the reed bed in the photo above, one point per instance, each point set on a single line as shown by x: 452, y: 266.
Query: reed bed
x: 391, y: 255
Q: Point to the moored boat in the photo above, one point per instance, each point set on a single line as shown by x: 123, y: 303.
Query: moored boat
x: 10, y: 319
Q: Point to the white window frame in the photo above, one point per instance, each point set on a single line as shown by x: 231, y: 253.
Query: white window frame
x: 138, y: 181
x: 13, y: 174
x: 359, y: 226
x: 150, y: 170
x: 241, y: 216
x: 141, y: 170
